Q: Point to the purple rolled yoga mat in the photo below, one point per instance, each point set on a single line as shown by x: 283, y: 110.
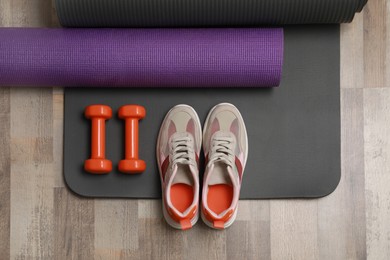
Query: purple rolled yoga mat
x: 141, y: 57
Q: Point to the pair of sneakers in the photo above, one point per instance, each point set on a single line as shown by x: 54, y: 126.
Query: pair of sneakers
x: 225, y: 145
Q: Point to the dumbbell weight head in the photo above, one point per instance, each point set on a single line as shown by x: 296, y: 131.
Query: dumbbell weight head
x: 98, y: 166
x: 98, y: 111
x: 132, y: 111
x: 132, y: 166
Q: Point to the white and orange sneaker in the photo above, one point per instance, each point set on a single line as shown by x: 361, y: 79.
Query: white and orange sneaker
x: 178, y: 147
x: 225, y: 144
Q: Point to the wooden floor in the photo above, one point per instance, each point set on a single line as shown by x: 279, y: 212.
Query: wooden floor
x: 41, y: 219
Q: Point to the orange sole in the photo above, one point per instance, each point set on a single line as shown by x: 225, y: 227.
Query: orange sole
x: 220, y: 197
x: 182, y: 196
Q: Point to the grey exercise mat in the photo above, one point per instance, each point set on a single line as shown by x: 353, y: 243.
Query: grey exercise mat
x: 172, y: 13
x: 294, y: 130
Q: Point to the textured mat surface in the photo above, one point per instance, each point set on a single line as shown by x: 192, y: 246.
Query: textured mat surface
x: 167, y: 13
x: 141, y: 57
x: 294, y: 130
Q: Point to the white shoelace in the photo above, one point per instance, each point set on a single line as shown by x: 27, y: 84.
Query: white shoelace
x: 222, y: 150
x: 182, y: 151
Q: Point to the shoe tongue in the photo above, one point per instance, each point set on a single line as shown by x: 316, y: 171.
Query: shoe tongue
x: 222, y: 161
x: 180, y: 135
x: 222, y: 134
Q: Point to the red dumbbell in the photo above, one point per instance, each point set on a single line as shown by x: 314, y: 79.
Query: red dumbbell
x: 98, y: 164
x: 131, y: 164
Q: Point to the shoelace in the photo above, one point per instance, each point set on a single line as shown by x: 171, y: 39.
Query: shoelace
x: 182, y: 151
x: 222, y: 150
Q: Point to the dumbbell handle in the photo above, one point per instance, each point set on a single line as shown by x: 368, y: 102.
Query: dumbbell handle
x: 131, y: 136
x: 98, y: 148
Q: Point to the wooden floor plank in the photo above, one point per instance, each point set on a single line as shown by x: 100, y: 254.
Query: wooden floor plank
x: 31, y: 211
x: 387, y: 50
x: 202, y: 242
x: 149, y: 209
x: 31, y: 173
x: 159, y: 241
x: 254, y: 219
x: 53, y: 14
x: 5, y: 170
x: 376, y: 44
x: 58, y: 139
x: 377, y: 167
x: 294, y: 229
x: 5, y: 13
x: 352, y: 166
x: 31, y: 13
x: 351, y: 49
x: 116, y: 228
x: 248, y: 240
x: 73, y: 226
